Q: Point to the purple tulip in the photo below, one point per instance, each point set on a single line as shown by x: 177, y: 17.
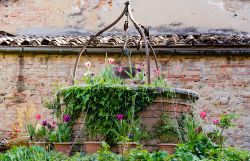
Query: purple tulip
x: 66, y: 118
x: 44, y: 123
x: 119, y: 116
x: 138, y: 69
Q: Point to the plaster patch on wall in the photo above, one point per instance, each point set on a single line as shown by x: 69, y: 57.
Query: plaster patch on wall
x: 92, y: 15
x: 86, y: 13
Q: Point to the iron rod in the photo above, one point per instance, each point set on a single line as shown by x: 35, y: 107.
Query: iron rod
x: 155, y: 58
x: 92, y: 37
x: 145, y: 42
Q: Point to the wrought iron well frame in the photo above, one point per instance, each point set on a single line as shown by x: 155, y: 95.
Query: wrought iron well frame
x: 142, y: 31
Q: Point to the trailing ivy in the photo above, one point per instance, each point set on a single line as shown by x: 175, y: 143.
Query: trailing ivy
x: 102, y: 102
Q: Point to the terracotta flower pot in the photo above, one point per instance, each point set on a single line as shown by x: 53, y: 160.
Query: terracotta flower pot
x: 63, y: 147
x: 19, y: 141
x: 123, y: 148
x: 123, y: 73
x: 92, y: 147
x: 170, y: 148
x: 3, y: 148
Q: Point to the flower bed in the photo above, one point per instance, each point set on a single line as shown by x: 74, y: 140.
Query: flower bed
x: 184, y: 152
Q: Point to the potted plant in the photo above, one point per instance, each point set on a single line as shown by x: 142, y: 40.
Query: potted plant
x: 125, y: 72
x: 128, y: 134
x: 127, y: 131
x: 61, y: 136
x: 94, y: 136
x: 167, y: 132
x: 39, y: 133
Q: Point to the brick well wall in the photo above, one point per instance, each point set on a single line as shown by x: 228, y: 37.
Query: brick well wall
x: 222, y: 81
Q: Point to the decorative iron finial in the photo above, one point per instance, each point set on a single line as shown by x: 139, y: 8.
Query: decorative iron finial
x: 127, y: 3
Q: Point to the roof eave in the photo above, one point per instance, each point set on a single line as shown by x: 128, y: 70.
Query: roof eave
x: 117, y: 50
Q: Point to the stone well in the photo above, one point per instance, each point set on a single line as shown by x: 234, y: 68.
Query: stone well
x: 182, y: 102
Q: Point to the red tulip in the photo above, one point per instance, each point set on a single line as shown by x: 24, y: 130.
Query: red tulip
x: 203, y: 114
x: 38, y: 116
x: 17, y: 130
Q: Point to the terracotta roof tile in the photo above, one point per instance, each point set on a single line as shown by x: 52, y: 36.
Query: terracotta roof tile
x: 133, y: 41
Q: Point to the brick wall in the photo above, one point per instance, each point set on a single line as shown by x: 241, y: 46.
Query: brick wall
x: 222, y: 81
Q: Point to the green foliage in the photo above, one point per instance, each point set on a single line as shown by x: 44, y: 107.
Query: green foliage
x: 128, y: 130
x: 83, y: 157
x: 41, y: 134
x: 143, y: 155
x: 190, y: 129
x: 198, y: 147
x: 101, y: 98
x: 62, y: 134
x: 186, y: 126
x: 160, y: 81
x: 105, y: 154
x: 53, y: 103
x: 229, y: 154
x: 102, y: 102
x: 34, y: 153
x: 38, y: 132
x: 107, y: 76
x: 167, y: 130
x: 31, y: 130
x: 216, y: 136
x: 200, y: 150
x: 226, y: 120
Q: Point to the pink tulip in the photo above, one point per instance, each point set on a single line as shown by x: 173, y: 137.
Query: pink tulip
x: 88, y: 64
x: 216, y: 121
x: 157, y: 72
x: 203, y: 114
x: 119, y: 69
x: 111, y: 60
x: 38, y: 116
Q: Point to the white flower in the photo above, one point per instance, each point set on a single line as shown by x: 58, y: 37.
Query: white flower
x: 38, y: 127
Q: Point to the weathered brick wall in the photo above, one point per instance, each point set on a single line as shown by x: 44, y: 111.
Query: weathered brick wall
x: 222, y: 81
